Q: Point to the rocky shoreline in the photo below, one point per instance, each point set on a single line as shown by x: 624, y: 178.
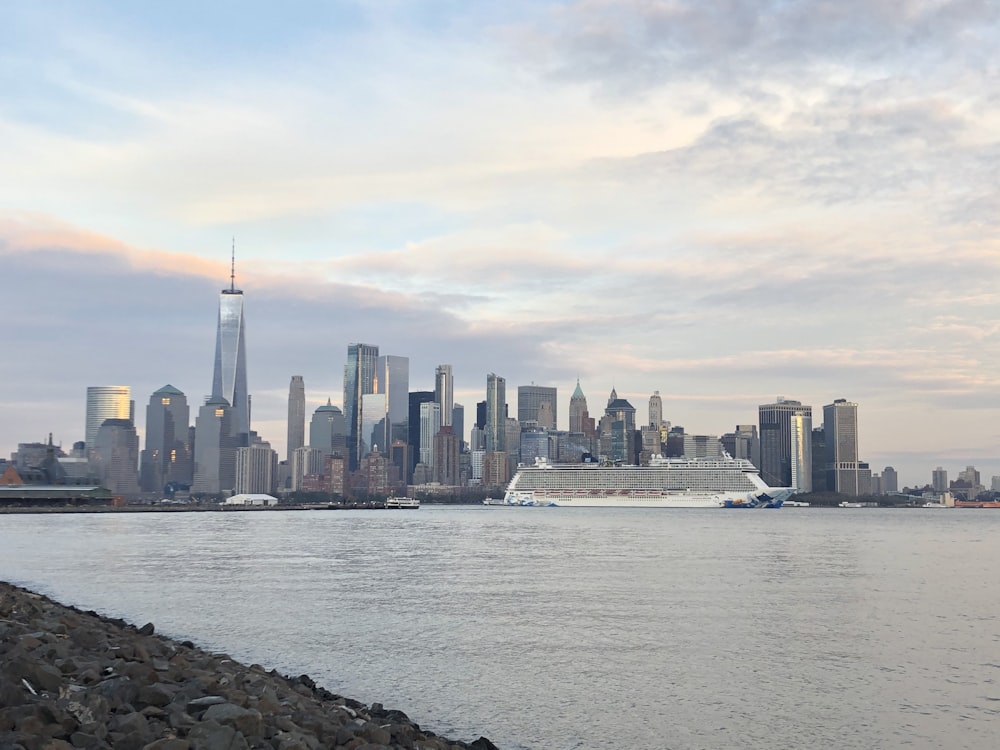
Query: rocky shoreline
x: 75, y: 679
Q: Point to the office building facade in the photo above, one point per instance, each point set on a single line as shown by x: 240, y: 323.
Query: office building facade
x: 106, y: 402
x: 775, y: 424
x: 296, y: 415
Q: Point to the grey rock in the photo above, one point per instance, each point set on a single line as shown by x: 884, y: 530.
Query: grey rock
x: 197, y: 705
x: 247, y: 721
x: 211, y: 735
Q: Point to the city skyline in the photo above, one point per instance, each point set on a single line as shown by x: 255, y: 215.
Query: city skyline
x: 723, y: 206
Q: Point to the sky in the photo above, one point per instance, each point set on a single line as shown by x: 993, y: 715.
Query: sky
x: 723, y: 201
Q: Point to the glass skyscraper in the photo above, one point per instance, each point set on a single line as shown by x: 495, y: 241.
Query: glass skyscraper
x: 106, y: 402
x: 230, y: 378
x: 359, y: 379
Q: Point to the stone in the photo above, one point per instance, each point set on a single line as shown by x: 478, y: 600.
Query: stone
x: 168, y: 743
x: 147, y: 629
x: 211, y: 735
x: 199, y: 704
x: 87, y: 741
x: 247, y: 721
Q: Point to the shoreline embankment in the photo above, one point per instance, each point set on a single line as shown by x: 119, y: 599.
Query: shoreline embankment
x: 77, y: 679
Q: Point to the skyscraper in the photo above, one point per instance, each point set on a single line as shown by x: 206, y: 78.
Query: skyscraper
x: 296, y: 415
x: 328, y: 430
x: 840, y: 422
x: 458, y: 423
x: 776, y: 440
x: 359, y: 379
x: 577, y: 409
x: 392, y: 378
x: 430, y: 424
x: 374, y: 423
x: 444, y: 392
x: 800, y: 454
x: 115, y: 456
x: 496, y: 413
x: 446, y: 456
x: 229, y: 380
x: 167, y: 457
x: 890, y: 480
x: 655, y: 410
x: 939, y: 479
x: 106, y: 402
x: 416, y: 398
x: 256, y: 469
x: 215, y: 445
x: 531, y: 400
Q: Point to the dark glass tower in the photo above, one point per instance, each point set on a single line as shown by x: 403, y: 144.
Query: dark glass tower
x: 359, y: 380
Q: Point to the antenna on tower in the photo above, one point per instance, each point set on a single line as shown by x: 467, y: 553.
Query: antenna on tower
x: 232, y: 273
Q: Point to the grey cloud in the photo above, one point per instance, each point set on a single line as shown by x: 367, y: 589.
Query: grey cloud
x: 91, y: 319
x: 629, y: 46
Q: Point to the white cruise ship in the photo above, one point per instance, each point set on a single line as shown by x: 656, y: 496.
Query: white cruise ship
x: 722, y: 482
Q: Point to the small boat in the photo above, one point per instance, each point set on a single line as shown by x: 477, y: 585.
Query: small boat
x: 795, y: 504
x: 934, y: 505
x: 846, y: 504
x: 402, y: 503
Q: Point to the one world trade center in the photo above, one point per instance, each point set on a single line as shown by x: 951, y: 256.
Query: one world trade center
x: 230, y: 378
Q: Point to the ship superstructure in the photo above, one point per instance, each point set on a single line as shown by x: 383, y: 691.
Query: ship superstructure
x: 664, y: 483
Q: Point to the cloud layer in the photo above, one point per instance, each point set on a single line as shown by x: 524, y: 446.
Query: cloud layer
x: 723, y: 201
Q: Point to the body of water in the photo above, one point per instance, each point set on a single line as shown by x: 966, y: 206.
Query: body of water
x: 587, y: 629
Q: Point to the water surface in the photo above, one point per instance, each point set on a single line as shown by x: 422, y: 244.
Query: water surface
x: 576, y: 629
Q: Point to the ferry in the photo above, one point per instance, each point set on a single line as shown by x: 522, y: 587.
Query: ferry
x: 402, y: 503
x: 722, y: 482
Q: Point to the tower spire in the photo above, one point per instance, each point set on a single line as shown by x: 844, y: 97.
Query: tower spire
x: 232, y: 272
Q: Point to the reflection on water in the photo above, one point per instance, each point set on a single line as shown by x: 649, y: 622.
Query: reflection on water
x: 590, y: 628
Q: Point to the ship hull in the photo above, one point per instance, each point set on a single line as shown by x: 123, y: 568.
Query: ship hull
x: 631, y: 501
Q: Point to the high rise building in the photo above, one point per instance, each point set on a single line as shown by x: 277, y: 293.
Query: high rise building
x: 655, y: 410
x: 229, y: 380
x: 444, y: 392
x: 256, y: 469
x: 844, y: 470
x: 430, y: 423
x: 532, y: 401
x: 115, y: 456
x: 743, y: 442
x: 577, y: 409
x: 618, y: 436
x: 359, y: 379
x: 496, y: 413
x: 890, y: 480
x: 306, y: 461
x: 939, y: 479
x: 374, y: 423
x: 296, y: 415
x: 446, y: 456
x: 800, y: 455
x: 776, y: 440
x: 167, y: 457
x: 512, y: 441
x: 107, y: 402
x: 458, y: 423
x: 392, y: 378
x: 328, y: 430
x: 215, y: 445
x: 413, y: 439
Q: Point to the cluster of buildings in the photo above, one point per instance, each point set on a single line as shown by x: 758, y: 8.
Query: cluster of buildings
x: 386, y: 439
